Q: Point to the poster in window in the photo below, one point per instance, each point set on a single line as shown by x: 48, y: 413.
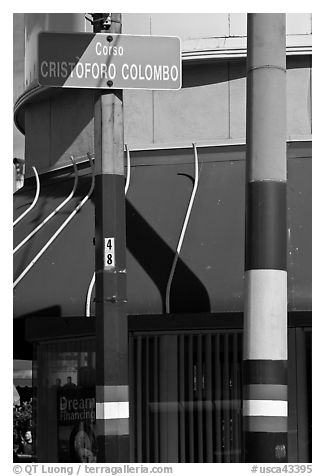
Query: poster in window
x: 76, y: 414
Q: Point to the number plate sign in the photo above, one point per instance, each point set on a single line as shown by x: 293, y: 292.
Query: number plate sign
x: 109, y: 253
x: 109, y: 61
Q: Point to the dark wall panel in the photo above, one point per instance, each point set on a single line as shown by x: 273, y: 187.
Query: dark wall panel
x: 210, y: 270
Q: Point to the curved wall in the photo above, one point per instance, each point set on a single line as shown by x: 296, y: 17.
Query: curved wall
x: 210, y: 107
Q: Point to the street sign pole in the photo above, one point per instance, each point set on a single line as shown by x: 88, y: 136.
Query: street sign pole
x: 112, y: 391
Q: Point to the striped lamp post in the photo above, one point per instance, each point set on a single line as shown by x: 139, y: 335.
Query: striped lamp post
x: 265, y: 396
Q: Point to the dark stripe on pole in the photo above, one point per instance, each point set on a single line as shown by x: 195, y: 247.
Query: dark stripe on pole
x: 111, y: 284
x: 111, y: 427
x: 265, y: 392
x: 265, y: 372
x: 273, y: 424
x: 266, y: 233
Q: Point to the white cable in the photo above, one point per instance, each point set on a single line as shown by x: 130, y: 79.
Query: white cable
x: 128, y: 169
x: 51, y: 215
x: 64, y: 224
x: 34, y: 201
x: 181, y: 238
x: 90, y: 290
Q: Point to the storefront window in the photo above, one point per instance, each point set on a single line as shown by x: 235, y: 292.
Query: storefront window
x: 65, y: 401
x: 186, y: 397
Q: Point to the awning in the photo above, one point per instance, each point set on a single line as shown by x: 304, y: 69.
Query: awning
x: 23, y: 382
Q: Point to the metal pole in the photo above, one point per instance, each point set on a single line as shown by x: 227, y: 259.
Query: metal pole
x: 112, y: 391
x: 265, y: 402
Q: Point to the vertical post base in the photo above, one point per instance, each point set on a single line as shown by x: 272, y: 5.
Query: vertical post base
x: 114, y: 448
x: 263, y: 447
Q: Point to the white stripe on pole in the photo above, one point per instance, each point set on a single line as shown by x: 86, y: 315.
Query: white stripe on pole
x: 265, y: 408
x: 112, y: 410
x: 265, y: 315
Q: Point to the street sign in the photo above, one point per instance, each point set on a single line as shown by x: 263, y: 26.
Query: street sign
x: 109, y: 61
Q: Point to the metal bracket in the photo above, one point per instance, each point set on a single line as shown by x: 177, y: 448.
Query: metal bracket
x: 112, y: 300
x: 104, y: 19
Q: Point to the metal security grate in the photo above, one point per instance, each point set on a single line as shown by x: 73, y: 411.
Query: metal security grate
x: 186, y: 397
